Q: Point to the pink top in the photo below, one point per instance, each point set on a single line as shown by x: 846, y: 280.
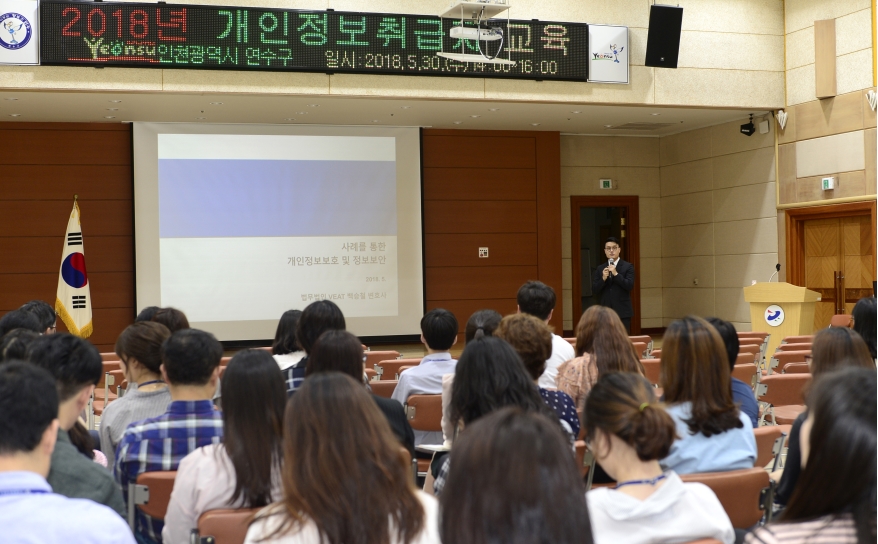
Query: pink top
x: 576, y: 377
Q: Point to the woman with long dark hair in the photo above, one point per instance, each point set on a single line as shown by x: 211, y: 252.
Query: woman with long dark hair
x: 514, y: 481
x: 244, y: 470
x: 834, y: 500
x: 714, y: 435
x: 602, y: 347
x: 345, y: 478
x: 629, y: 431
x: 285, y: 348
x: 863, y: 320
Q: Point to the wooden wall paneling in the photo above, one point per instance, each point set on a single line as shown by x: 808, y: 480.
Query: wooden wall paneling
x: 43, y: 254
x: 463, y: 309
x: 824, y: 58
x: 53, y: 182
x: 490, y: 151
x: 42, y: 218
x: 505, y: 249
x: 479, y: 184
x: 468, y: 216
x: 548, y: 155
x: 112, y: 289
x: 465, y: 282
x: 68, y: 146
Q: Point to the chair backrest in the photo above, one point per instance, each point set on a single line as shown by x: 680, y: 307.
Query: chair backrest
x: 402, y: 369
x: 160, y: 485
x: 657, y: 353
x: 796, y: 368
x: 387, y: 369
x: 705, y: 541
x: 572, y: 341
x: 739, y: 491
x: 766, y: 436
x: 118, y: 380
x: 640, y: 348
x: 840, y: 320
x: 746, y: 359
x: 383, y: 388
x: 373, y: 357
x: 370, y: 374
x: 785, y: 357
x: 746, y: 373
x: 801, y: 339
x: 109, y: 357
x: 225, y: 361
x: 424, y: 412
x: 803, y: 346
x: 749, y: 348
x: 753, y: 334
x: 784, y: 389
x: 580, y: 448
x: 652, y: 370
x: 226, y: 526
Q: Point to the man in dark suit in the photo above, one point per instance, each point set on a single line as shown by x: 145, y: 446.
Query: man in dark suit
x: 613, y: 281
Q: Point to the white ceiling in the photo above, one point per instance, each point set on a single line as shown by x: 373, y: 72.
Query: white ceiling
x: 36, y: 106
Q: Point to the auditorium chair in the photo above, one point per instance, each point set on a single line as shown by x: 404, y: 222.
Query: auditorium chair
x: 571, y: 341
x: 120, y: 382
x: 151, y: 494
x: 840, y: 320
x: 585, y: 461
x: 389, y: 369
x: 383, y: 388
x: 784, y: 394
x: 109, y: 357
x: 374, y: 357
x: 744, y: 494
x: 747, y: 359
x: 656, y: 353
x: 222, y: 370
x: 651, y: 370
x: 643, y: 338
x: 781, y: 358
x: 752, y: 349
x: 747, y: 373
x: 371, y: 374
x: 402, y: 369
x: 225, y: 361
x: 804, y: 346
x: 223, y: 526
x: 424, y: 413
x: 705, y: 541
x: 770, y: 440
x: 102, y: 394
x: 796, y: 368
x: 640, y: 349
x: 803, y: 339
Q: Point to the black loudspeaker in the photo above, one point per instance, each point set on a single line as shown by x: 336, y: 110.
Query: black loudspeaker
x: 663, y: 42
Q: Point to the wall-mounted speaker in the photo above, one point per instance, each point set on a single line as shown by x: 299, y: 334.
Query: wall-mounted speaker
x: 663, y: 42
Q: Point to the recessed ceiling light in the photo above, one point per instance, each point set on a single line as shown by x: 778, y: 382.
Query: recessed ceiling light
x: 494, y: 109
x: 475, y: 116
x: 374, y: 120
x: 14, y: 115
x: 201, y: 118
x: 534, y: 124
x: 109, y: 116
x: 10, y: 99
x: 405, y: 107
x: 216, y: 103
x: 654, y: 114
x: 575, y: 112
x: 608, y: 126
x: 115, y: 101
x: 301, y: 113
x: 112, y: 109
x: 289, y: 119
x: 313, y: 105
x: 458, y: 122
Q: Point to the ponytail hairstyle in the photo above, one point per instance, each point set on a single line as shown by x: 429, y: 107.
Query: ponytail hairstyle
x: 624, y: 404
x: 482, y: 323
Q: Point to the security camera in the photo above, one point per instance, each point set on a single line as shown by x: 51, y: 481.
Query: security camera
x: 747, y: 129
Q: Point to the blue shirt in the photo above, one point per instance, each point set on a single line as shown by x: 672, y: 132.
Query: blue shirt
x: 425, y: 379
x: 744, y: 397
x: 160, y: 443
x: 30, y: 512
x: 563, y: 405
x: 733, y: 449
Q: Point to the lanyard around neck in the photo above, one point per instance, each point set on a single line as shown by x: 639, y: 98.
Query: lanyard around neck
x: 653, y: 481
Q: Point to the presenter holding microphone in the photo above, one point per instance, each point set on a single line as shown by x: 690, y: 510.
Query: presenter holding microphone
x: 613, y: 281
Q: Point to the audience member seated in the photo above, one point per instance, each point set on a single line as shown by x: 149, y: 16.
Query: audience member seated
x: 190, y: 367
x: 538, y: 299
x: 44, y: 313
x: 742, y: 393
x: 318, y: 317
x: 285, y: 349
x: 19, y: 319
x: 77, y: 367
x: 514, y: 480
x: 863, y: 320
x: 139, y: 350
x: 602, y: 347
x: 532, y: 340
x: 834, y: 501
x: 172, y: 318
x: 713, y: 434
x: 438, y: 333
x: 485, y: 321
x: 489, y: 376
x: 341, y: 351
x: 244, y: 470
x: 29, y: 510
x: 345, y: 475
x: 15, y: 343
x: 146, y: 314
x: 628, y: 432
x: 833, y: 349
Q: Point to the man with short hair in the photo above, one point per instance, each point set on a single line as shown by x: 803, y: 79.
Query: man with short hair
x: 44, y: 313
x: 77, y: 367
x: 19, y: 319
x: 538, y: 299
x: 438, y: 332
x: 29, y: 510
x: 613, y: 282
x: 742, y: 393
x: 190, y: 366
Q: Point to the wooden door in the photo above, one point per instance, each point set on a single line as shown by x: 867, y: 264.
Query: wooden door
x: 838, y: 264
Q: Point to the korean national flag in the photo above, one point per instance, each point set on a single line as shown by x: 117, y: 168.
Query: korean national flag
x: 73, y: 302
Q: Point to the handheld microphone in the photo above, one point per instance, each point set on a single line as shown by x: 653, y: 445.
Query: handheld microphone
x: 776, y: 270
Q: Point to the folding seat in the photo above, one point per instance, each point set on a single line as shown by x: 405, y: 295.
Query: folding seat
x: 424, y: 413
x: 388, y: 369
x: 770, y: 440
x: 652, y: 370
x: 151, y: 494
x: 223, y: 526
x: 383, y: 388
x: 743, y: 493
x: 374, y: 357
x: 783, y: 395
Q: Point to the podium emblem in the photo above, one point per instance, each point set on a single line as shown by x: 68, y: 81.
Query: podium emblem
x: 774, y: 315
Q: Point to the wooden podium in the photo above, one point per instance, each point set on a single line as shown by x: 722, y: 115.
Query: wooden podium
x: 781, y: 309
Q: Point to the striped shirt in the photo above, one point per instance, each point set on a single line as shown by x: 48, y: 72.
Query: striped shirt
x: 825, y: 530
x: 160, y: 443
x: 295, y: 375
x: 136, y: 405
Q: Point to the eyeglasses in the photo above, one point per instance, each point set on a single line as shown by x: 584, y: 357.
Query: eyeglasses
x: 611, y: 248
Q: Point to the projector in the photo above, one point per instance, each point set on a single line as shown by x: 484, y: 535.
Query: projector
x: 485, y: 34
x: 747, y: 129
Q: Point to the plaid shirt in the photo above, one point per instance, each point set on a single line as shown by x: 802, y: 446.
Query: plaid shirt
x: 295, y: 375
x: 160, y: 443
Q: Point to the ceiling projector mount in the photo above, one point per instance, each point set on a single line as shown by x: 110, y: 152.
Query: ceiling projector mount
x: 477, y: 13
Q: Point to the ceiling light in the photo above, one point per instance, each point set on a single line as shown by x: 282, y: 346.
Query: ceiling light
x: 10, y: 99
x: 289, y: 119
x: 534, y: 124
x: 655, y: 114
x: 216, y: 103
x: 201, y: 118
x: 458, y: 122
x: 14, y: 115
x: 109, y: 116
x: 313, y: 105
x: 112, y: 109
x: 608, y: 126
x: 301, y: 113
x: 115, y: 101
x: 575, y: 112
x: 494, y: 109
x: 475, y: 116
x: 405, y: 107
